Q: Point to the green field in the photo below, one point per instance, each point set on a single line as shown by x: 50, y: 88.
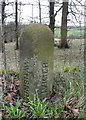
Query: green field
x: 72, y: 32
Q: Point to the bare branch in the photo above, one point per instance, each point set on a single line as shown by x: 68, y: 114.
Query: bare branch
x: 9, y: 15
x: 10, y: 3
x: 80, y: 2
x: 58, y: 10
x: 74, y: 16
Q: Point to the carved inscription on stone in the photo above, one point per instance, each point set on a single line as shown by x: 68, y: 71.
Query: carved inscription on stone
x: 26, y: 77
x: 44, y: 78
x: 33, y: 76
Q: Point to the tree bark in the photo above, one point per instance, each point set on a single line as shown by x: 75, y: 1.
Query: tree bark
x: 3, y: 34
x: 39, y: 11
x: 16, y: 23
x: 52, y: 17
x: 64, y: 43
x: 85, y: 47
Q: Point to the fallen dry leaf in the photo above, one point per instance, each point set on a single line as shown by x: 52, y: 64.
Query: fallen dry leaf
x: 10, y: 98
x: 72, y: 105
x: 75, y: 111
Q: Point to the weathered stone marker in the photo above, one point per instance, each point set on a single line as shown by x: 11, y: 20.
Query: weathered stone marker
x: 36, y: 61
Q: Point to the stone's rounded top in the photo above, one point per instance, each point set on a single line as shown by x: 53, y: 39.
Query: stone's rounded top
x: 37, y: 28
x: 39, y: 32
x: 38, y: 25
x: 38, y: 40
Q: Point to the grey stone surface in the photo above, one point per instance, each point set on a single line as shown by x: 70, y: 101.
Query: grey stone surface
x: 36, y: 61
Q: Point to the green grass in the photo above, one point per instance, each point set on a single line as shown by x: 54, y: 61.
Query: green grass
x: 73, y: 32
x: 13, y: 112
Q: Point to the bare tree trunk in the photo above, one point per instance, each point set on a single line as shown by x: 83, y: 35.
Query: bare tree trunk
x: 64, y: 43
x: 52, y: 17
x: 39, y: 11
x: 85, y: 46
x: 3, y: 34
x: 32, y: 13
x: 16, y: 23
